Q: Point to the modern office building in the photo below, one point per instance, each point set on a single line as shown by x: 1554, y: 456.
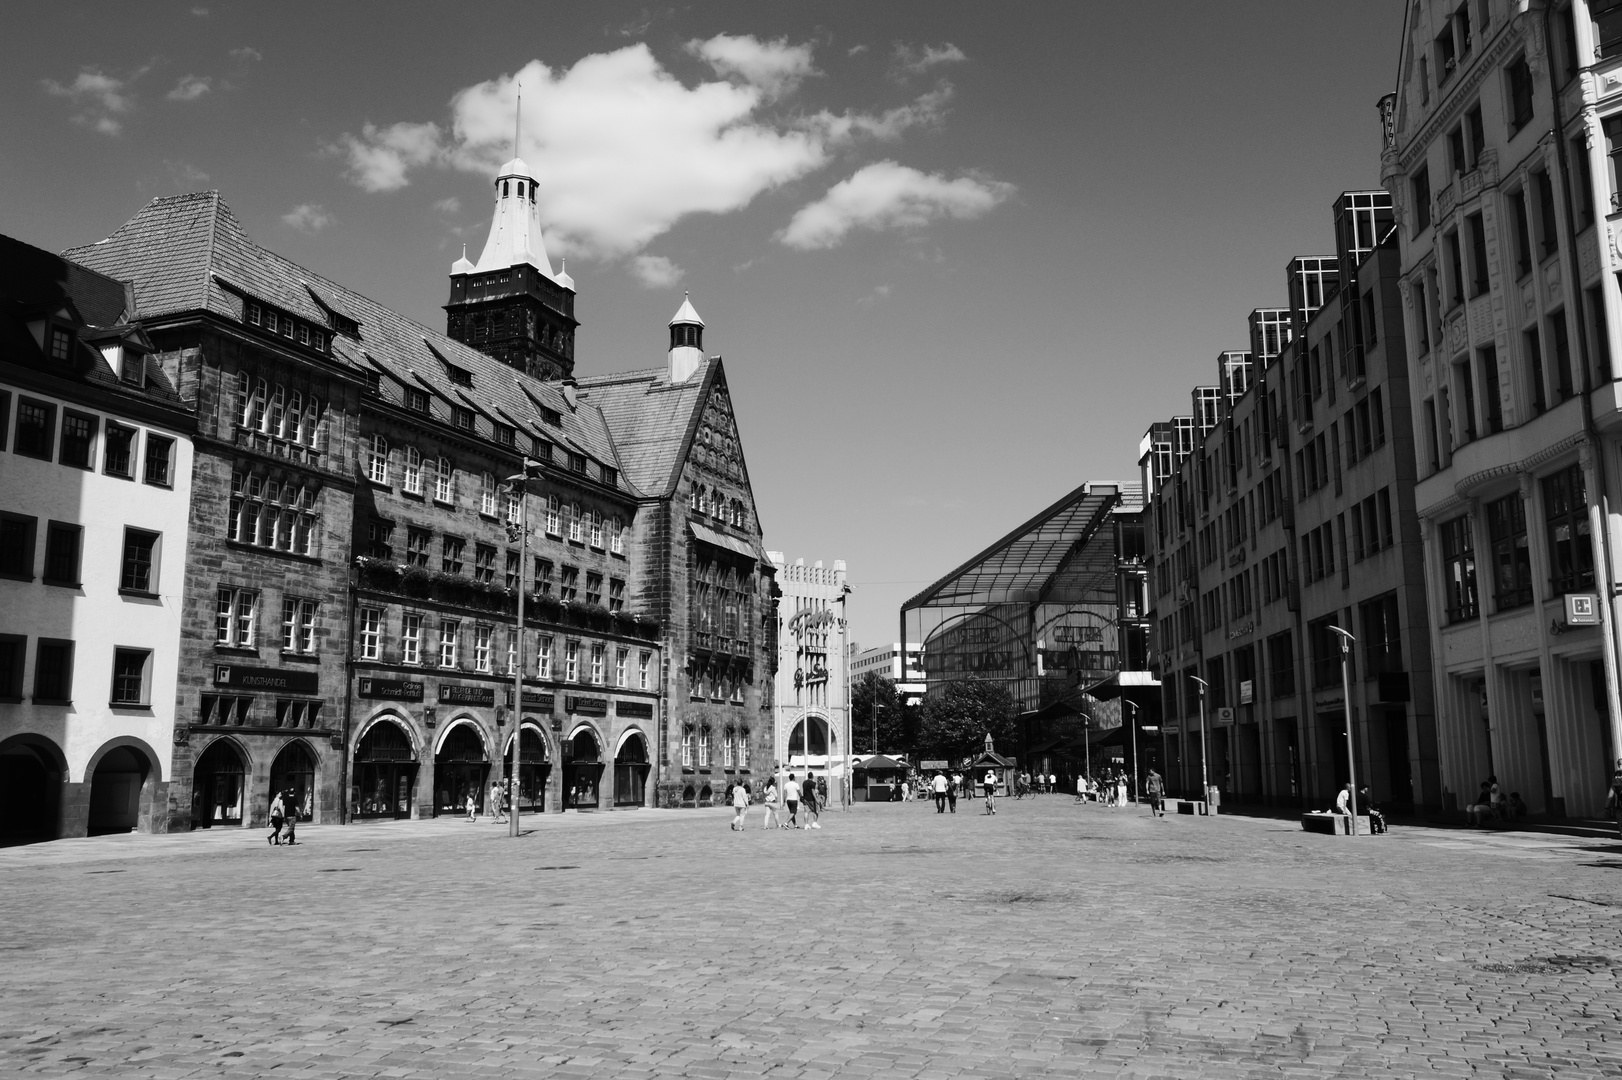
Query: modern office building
x: 1500, y: 149
x: 95, y: 490
x: 886, y: 661
x: 1284, y: 519
x: 371, y: 496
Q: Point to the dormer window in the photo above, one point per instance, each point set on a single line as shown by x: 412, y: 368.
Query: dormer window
x: 255, y: 314
x: 464, y: 419
x: 416, y: 400
x: 132, y: 369
x: 506, y: 436
x: 459, y: 376
x: 577, y: 463
x: 61, y: 343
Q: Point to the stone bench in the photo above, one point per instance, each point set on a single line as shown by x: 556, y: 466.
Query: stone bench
x: 1332, y: 824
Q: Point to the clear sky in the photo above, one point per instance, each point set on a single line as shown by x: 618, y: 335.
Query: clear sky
x: 957, y: 255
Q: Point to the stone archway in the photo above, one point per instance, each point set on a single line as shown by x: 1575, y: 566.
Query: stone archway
x: 631, y: 767
x: 534, y: 768
x: 218, y: 788
x: 32, y: 769
x: 809, y: 738
x: 582, y: 769
x: 293, y: 774
x: 461, y: 770
x: 385, y: 772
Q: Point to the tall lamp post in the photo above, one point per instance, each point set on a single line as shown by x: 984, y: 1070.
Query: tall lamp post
x: 520, y: 483
x: 1205, y: 745
x: 1346, y: 640
x: 1087, y: 743
x: 1137, y: 771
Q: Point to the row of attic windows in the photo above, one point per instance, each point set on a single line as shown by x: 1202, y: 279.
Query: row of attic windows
x: 279, y: 322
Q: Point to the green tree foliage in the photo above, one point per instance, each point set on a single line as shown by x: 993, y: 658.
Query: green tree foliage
x: 954, y: 723
x: 896, y: 722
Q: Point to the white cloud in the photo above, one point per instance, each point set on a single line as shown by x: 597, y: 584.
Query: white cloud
x: 200, y: 12
x: 186, y: 175
x: 928, y: 111
x: 915, y: 60
x: 656, y: 271
x: 620, y: 147
x: 380, y: 157
x: 307, y: 218
x: 886, y: 195
x: 190, y: 88
x: 246, y: 53
x: 856, y: 50
x: 775, y: 66
x: 100, y: 99
x: 452, y: 205
x: 879, y: 293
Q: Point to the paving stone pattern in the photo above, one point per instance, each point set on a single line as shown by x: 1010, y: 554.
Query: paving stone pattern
x: 1049, y: 940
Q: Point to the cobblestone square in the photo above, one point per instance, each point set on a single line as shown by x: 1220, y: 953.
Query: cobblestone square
x: 1051, y: 939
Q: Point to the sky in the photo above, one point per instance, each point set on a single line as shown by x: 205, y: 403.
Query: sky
x: 957, y: 256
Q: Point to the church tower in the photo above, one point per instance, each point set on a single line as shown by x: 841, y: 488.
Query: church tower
x: 510, y: 304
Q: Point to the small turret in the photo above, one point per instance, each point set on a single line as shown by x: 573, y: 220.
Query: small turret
x: 686, y: 342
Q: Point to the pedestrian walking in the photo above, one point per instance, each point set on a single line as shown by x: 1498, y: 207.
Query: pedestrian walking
x: 770, y: 799
x: 472, y: 808
x: 740, y: 806
x: 496, y: 814
x: 1120, y: 789
x: 991, y: 791
x: 809, y: 800
x: 1156, y: 790
x: 791, y: 801
x: 939, y: 784
x: 277, y: 812
x: 951, y: 792
x: 291, y: 805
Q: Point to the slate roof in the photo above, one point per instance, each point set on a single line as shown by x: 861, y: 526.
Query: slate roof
x: 188, y: 254
x: 653, y: 421
x: 34, y: 282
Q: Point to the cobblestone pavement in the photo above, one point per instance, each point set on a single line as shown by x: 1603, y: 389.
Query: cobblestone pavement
x: 1049, y: 940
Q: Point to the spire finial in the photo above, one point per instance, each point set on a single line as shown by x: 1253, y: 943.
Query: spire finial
x: 518, y: 118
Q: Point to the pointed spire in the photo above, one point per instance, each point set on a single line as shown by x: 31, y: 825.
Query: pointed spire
x: 462, y: 265
x: 563, y: 277
x: 518, y: 120
x: 686, y: 315
x: 686, y: 341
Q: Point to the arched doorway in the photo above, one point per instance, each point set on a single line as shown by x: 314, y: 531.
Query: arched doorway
x: 293, y: 774
x: 533, y: 770
x: 216, y: 789
x: 582, y: 770
x: 30, y: 789
x: 460, y: 769
x: 631, y: 771
x: 817, y: 729
x: 385, y: 773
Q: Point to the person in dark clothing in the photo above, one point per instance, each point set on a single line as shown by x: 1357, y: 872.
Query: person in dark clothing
x: 808, y: 798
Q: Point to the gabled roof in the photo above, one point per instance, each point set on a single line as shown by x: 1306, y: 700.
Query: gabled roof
x: 652, y: 420
x: 189, y: 254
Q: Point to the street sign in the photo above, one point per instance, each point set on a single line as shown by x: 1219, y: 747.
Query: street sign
x: 1582, y: 609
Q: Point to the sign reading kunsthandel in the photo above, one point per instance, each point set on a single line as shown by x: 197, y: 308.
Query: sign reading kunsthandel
x: 271, y: 679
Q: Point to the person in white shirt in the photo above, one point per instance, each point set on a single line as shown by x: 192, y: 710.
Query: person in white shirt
x: 938, y: 785
x: 791, y: 799
x: 740, y: 806
x: 991, y: 791
x: 771, y: 821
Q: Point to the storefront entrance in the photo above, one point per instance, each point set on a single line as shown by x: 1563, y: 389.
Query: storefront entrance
x: 385, y: 774
x: 631, y: 772
x: 294, y: 772
x: 216, y: 790
x: 582, y: 771
x: 533, y: 771
x: 461, y: 770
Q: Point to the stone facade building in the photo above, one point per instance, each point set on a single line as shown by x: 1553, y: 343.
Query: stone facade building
x: 370, y: 497
x: 1501, y: 145
x: 1283, y: 507
x: 812, y: 728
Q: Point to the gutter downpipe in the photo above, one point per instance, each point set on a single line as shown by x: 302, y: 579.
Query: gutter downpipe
x: 1599, y: 508
x: 349, y: 699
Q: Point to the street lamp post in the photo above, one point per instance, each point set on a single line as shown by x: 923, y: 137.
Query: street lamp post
x: 1346, y: 640
x: 1087, y: 745
x: 1137, y: 771
x: 520, y: 483
x: 1205, y: 747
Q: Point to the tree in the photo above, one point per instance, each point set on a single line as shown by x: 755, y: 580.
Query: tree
x: 874, y: 702
x: 954, y: 723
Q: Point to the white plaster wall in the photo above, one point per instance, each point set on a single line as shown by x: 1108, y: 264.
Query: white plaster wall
x: 95, y: 617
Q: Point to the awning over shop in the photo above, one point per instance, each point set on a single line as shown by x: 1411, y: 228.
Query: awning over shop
x: 721, y: 540
x: 1123, y: 682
